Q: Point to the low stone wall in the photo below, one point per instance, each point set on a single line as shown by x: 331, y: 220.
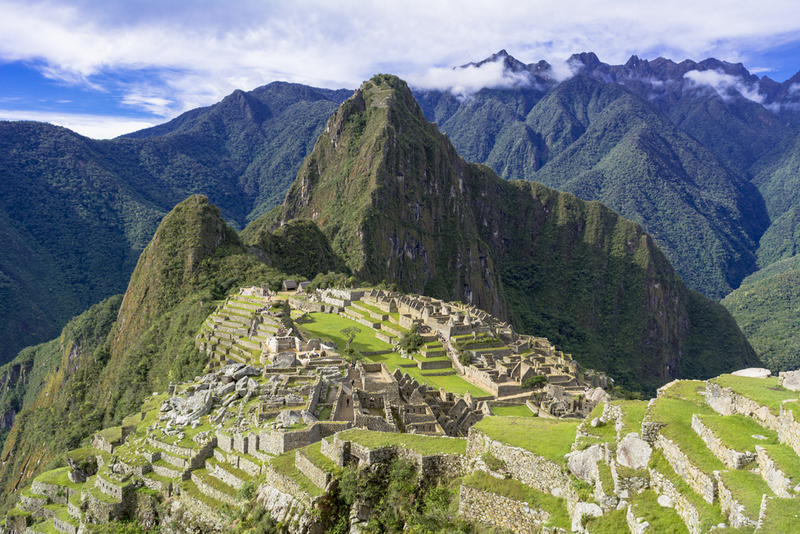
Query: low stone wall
x: 789, y: 432
x: 208, y: 489
x: 287, y: 485
x: 177, y: 461
x: 636, y: 525
x: 170, y: 448
x: 731, y: 506
x: 624, y: 486
x: 157, y: 485
x: 320, y: 478
x: 56, y: 494
x: 32, y: 504
x: 727, y: 402
x: 100, y: 443
x: 685, y: 509
x: 493, y: 509
x: 731, y: 458
x: 436, y: 364
x: 530, y: 469
x: 774, y: 477
x: 305, y: 305
x: 218, y: 471
x: 701, y: 483
x: 64, y: 526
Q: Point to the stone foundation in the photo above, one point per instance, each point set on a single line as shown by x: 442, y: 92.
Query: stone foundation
x: 493, y: 509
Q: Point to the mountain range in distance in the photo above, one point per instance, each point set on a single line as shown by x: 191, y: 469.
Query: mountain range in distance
x: 701, y: 155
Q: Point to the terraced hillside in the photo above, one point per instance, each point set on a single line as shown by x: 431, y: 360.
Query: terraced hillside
x: 699, y: 456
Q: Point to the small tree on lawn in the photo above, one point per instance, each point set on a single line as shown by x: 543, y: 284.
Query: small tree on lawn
x: 350, y: 333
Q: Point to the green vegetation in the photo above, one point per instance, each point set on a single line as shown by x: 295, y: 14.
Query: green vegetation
x: 534, y: 382
x: 676, y: 414
x: 764, y: 391
x: 519, y: 410
x: 425, y: 445
x: 512, y: 489
x: 661, y: 519
x: 765, y: 307
x: 550, y: 438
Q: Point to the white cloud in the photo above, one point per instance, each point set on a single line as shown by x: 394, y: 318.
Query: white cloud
x: 94, y: 126
x: 726, y: 85
x: 463, y: 82
x: 194, y: 53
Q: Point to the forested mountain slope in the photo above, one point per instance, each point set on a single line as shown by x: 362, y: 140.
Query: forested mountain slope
x: 398, y: 203
x: 75, y: 213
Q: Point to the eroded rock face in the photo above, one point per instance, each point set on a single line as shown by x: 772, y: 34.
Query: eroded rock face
x: 633, y: 452
x: 288, y: 418
x: 287, y: 510
x: 583, y: 463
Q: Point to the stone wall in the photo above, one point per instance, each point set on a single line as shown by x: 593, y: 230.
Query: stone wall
x: 701, y: 483
x: 636, y: 525
x: 319, y: 477
x: 208, y: 489
x: 625, y: 486
x: 727, y: 402
x: 685, y: 509
x: 287, y: 485
x: 530, y: 469
x: 305, y: 305
x: 789, y: 432
x: 774, y: 477
x: 56, y: 494
x: 493, y: 509
x: 731, y: 507
x: 731, y: 458
x: 170, y: 448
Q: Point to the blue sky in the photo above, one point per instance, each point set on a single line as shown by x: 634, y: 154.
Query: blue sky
x: 103, y: 68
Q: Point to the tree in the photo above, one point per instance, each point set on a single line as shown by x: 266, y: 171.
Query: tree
x: 350, y: 333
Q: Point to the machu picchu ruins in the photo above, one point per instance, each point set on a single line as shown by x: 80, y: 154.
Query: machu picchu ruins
x: 302, y: 386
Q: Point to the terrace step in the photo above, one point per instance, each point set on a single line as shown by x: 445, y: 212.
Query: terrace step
x: 214, y: 487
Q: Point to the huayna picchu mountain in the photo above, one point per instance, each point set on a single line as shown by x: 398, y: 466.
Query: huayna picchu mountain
x: 398, y: 204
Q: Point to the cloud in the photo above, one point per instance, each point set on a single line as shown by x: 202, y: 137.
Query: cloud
x: 191, y: 54
x: 726, y: 85
x: 463, y: 82
x: 94, y: 126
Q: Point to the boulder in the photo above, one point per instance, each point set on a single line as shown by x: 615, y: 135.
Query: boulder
x: 583, y: 464
x: 597, y: 395
x: 665, y: 501
x: 288, y: 418
x: 247, y: 370
x: 194, y: 408
x: 584, y: 509
x: 224, y: 389
x: 790, y: 380
x: 633, y: 452
x: 308, y: 417
x: 284, y: 360
x: 753, y: 372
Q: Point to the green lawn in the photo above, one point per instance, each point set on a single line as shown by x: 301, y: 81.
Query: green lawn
x: 688, y: 389
x: 58, y: 477
x: 747, y: 488
x: 519, y: 410
x: 781, y: 517
x: 764, y: 391
x: 425, y: 445
x: 328, y: 326
x: 676, y: 414
x: 662, y: 519
x: 550, y: 438
x: 632, y: 416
